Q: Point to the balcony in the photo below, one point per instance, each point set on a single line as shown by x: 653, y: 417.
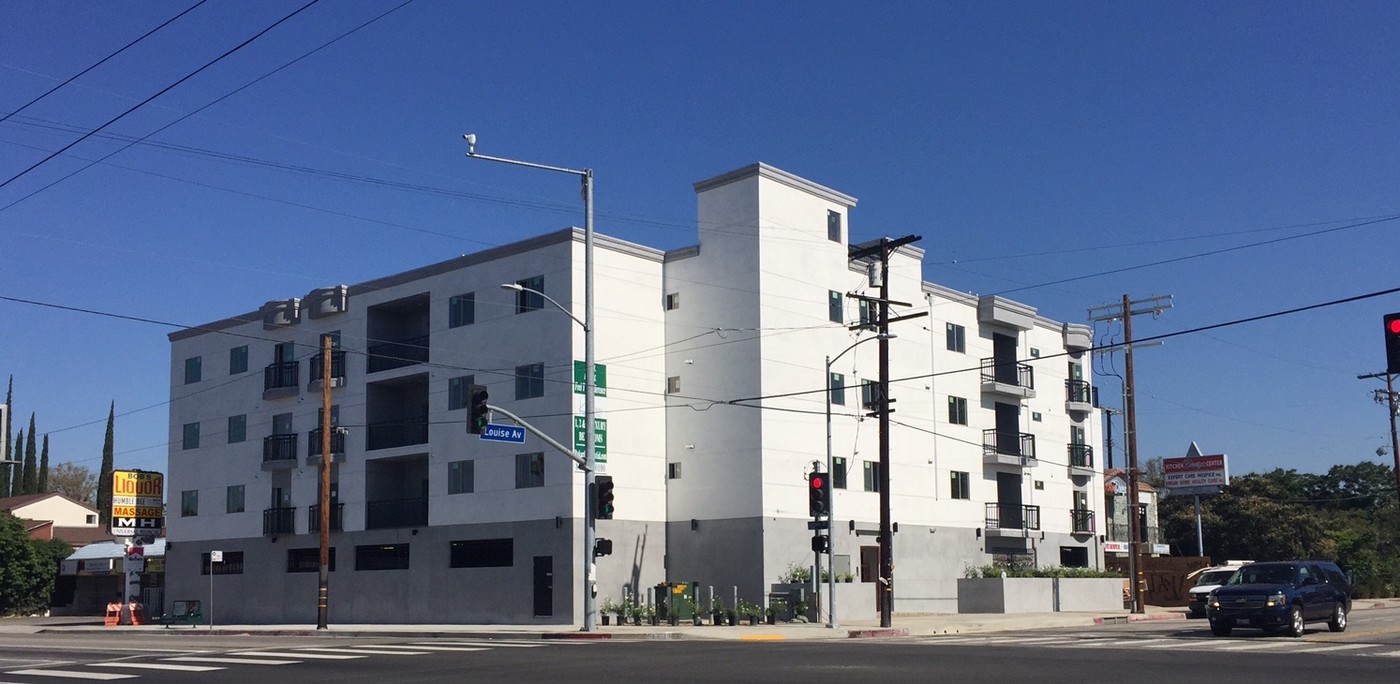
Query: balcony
x: 1009, y: 378
x: 396, y: 513
x: 313, y: 517
x: 279, y: 521
x: 1011, y: 520
x: 390, y: 355
x: 316, y: 370
x: 397, y: 433
x: 1008, y: 448
x: 1079, y: 396
x: 1081, y: 521
x: 313, y: 446
x: 280, y: 380
x: 1081, y: 459
x: 279, y: 451
x: 1120, y: 532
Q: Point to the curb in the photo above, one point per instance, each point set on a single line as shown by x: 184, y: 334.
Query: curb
x: 559, y: 636
x: 1149, y: 617
x: 877, y: 633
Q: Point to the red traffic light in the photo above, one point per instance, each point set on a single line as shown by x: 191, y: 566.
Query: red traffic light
x: 1395, y: 326
x: 817, y: 482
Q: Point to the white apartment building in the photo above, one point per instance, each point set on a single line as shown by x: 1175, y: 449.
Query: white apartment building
x: 715, y: 366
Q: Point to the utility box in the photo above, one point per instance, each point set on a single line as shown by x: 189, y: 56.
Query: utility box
x: 676, y: 598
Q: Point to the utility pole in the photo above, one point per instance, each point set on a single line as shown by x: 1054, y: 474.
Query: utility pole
x: 323, y: 572
x: 881, y: 272
x: 1390, y: 403
x: 1137, y: 535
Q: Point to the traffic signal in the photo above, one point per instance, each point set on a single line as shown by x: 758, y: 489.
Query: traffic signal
x: 1392, y: 343
x: 604, y: 498
x: 479, y: 414
x: 818, y: 494
x: 821, y: 543
x: 602, y: 547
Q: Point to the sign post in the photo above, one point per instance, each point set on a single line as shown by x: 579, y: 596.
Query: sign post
x: 1195, y: 474
x: 214, y: 557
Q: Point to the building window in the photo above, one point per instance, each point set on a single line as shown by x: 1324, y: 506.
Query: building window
x: 238, y: 360
x: 461, y: 477
x: 461, y: 310
x: 193, y: 369
x: 237, y: 428
x: 1036, y: 416
x: 529, y: 470
x: 957, y: 410
x: 835, y: 309
x: 482, y: 553
x: 867, y: 315
x: 673, y: 384
x: 309, y: 560
x: 459, y: 391
x: 957, y: 338
x: 525, y: 300
x: 1040, y: 484
x: 234, y: 499
x: 838, y: 389
x: 838, y: 472
x: 189, y: 503
x: 91, y: 519
x: 833, y: 225
x: 872, y: 476
x: 232, y: 564
x: 381, y: 557
x: 1035, y: 353
x: 869, y: 392
x: 673, y: 471
x: 961, y: 487
x: 529, y: 381
x: 673, y: 301
x: 191, y: 436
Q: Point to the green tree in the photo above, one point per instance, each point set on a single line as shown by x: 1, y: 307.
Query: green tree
x: 104, y: 475
x: 74, y: 481
x: 28, y: 568
x: 30, y: 479
x: 17, y: 473
x: 44, y: 467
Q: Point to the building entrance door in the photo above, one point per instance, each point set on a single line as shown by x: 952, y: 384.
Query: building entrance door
x: 544, y: 586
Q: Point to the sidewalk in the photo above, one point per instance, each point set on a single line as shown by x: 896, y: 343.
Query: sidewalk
x: 903, y: 625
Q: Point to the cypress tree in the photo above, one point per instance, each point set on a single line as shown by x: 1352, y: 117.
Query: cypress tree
x: 30, y: 478
x: 9, y: 437
x: 104, y: 475
x: 44, y: 467
x: 17, y: 473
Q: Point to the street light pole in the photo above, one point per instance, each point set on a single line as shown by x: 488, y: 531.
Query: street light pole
x: 830, y: 472
x: 590, y: 613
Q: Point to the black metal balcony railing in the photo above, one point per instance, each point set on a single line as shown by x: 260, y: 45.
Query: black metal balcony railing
x: 1081, y: 521
x: 1013, y: 516
x: 1079, y: 392
x: 313, y: 517
x: 317, y: 368
x: 395, y: 434
x: 1008, y: 373
x: 396, y: 513
x: 280, y: 448
x: 280, y: 375
x: 1008, y: 443
x: 314, y: 441
x: 1120, y: 532
x: 279, y: 520
x: 391, y: 355
x: 1081, y: 455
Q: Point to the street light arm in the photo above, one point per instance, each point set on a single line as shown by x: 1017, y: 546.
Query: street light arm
x: 853, y: 346
x: 521, y: 288
x: 471, y: 152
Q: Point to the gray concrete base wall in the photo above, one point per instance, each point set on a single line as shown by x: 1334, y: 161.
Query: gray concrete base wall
x: 1006, y: 595
x: 1089, y: 593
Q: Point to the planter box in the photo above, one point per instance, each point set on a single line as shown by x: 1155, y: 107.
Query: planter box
x: 1039, y: 594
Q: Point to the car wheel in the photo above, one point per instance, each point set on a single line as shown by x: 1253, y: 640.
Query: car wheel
x: 1338, y: 623
x: 1295, y: 622
x: 1221, y: 628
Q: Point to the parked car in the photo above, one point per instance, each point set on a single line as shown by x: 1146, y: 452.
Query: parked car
x: 1206, y: 580
x: 1281, y: 595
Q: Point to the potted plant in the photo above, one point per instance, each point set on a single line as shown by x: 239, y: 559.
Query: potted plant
x: 607, y: 607
x: 749, y: 611
x: 717, y: 613
x: 695, y: 618
x: 629, y: 612
x: 673, y: 614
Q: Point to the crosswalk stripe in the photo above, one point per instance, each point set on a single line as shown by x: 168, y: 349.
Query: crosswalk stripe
x: 1094, y: 643
x: 1390, y: 654
x: 314, y: 656
x: 1254, y: 645
x: 488, y: 644
x: 367, y: 651
x: 1332, y: 647
x: 233, y: 661
x: 426, y: 648
x: 157, y: 666
x: 74, y: 674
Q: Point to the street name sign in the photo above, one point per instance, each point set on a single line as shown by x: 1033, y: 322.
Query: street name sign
x: 496, y: 432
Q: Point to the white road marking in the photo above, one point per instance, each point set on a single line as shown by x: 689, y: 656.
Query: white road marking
x: 425, y: 648
x: 1332, y: 647
x: 1391, y: 654
x: 366, y: 650
x: 1254, y: 645
x: 284, y: 654
x: 158, y: 666
x: 1097, y: 643
x: 488, y: 644
x: 75, y: 674
x: 233, y: 661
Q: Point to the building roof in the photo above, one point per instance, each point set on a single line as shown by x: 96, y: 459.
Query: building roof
x: 81, y: 536
x: 10, y: 503
x: 111, y: 549
x: 1119, y: 472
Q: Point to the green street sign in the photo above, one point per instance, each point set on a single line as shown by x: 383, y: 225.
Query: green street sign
x: 600, y: 438
x: 600, y: 378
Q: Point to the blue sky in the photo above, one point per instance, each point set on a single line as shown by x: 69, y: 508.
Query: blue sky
x: 1028, y: 143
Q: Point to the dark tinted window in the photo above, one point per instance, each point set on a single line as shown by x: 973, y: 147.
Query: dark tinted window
x: 482, y: 553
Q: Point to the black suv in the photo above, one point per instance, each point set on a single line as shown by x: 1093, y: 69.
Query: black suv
x: 1281, y: 595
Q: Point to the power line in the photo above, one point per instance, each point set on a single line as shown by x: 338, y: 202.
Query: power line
x: 162, y: 91
x: 100, y: 62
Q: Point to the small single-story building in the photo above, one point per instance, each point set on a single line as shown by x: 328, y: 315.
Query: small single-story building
x: 93, y: 576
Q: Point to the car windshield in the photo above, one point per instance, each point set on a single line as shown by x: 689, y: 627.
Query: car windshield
x: 1213, y: 577
x: 1266, y: 574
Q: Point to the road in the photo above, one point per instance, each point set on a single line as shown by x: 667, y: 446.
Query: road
x: 1369, y: 651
